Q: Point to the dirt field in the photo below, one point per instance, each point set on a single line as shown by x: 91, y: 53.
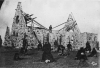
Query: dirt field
x: 33, y: 60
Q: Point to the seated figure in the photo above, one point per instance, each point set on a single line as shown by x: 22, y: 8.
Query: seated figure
x: 81, y: 54
x: 23, y: 50
x: 16, y: 56
x: 61, y: 47
x: 93, y: 53
x: 47, y: 53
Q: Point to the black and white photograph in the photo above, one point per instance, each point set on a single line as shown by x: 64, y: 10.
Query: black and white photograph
x: 49, y: 33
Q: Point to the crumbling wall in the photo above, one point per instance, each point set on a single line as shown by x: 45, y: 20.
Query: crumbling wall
x: 7, y: 38
x: 83, y: 40
x: 91, y: 38
x: 76, y: 38
x: 19, y: 28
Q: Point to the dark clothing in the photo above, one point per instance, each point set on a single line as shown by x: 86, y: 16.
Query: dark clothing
x: 48, y: 56
x: 81, y: 54
x: 39, y: 46
x: 24, y: 43
x: 93, y: 53
x: 47, y: 47
x: 0, y: 42
x: 69, y: 46
x: 97, y: 45
x: 88, y: 47
x: 50, y: 28
x: 55, y: 43
x: 16, y: 56
x: 47, y: 53
x: 61, y: 47
x: 24, y: 48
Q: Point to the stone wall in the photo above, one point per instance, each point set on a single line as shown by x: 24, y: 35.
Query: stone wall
x: 76, y: 38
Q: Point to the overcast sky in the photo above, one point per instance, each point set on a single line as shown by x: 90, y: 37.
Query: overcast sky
x: 55, y: 12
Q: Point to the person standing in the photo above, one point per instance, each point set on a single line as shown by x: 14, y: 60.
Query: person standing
x: 39, y: 45
x: 0, y: 41
x: 69, y: 48
x: 25, y: 44
x: 88, y: 47
x: 50, y: 28
x: 55, y: 43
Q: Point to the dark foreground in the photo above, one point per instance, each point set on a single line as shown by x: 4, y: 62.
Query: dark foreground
x: 33, y: 60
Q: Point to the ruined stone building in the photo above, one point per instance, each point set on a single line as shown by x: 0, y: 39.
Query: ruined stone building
x: 69, y: 33
x: 7, y: 41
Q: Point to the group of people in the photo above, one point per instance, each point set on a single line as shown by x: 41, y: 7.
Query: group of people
x: 81, y: 54
x: 62, y: 48
x: 48, y: 57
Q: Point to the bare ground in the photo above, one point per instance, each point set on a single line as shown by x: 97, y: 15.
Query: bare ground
x: 33, y: 60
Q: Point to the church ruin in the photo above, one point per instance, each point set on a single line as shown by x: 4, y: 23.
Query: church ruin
x: 69, y: 33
